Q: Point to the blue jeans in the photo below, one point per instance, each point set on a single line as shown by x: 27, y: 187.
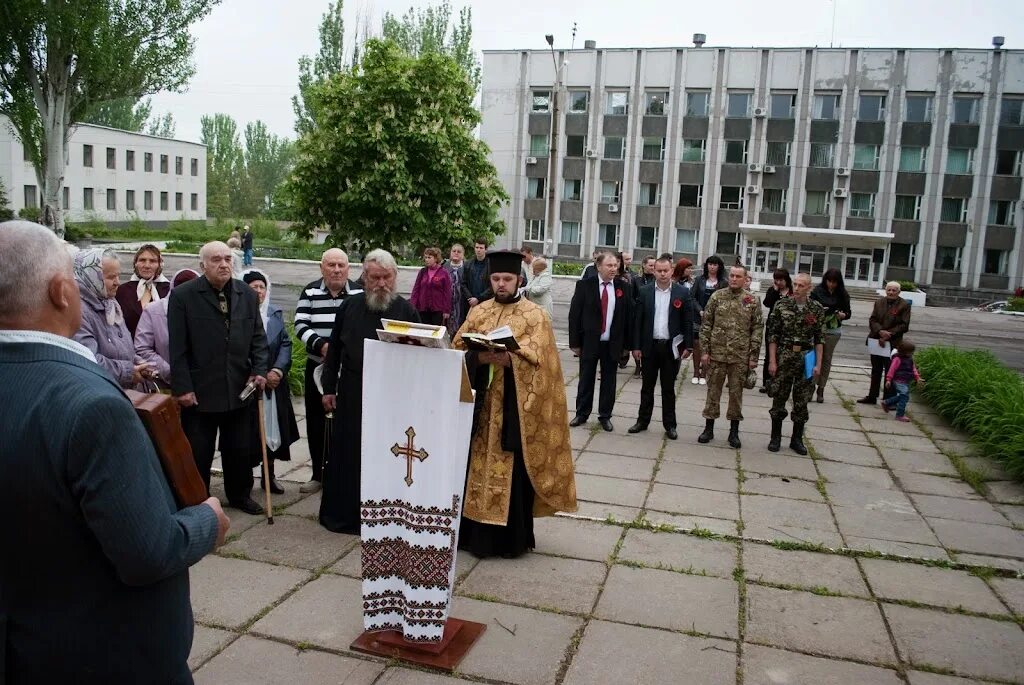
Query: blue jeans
x: 900, y: 399
x: 247, y: 257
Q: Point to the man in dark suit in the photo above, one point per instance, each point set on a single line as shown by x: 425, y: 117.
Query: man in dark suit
x: 600, y: 327
x: 217, y: 347
x: 94, y: 575
x: 664, y: 325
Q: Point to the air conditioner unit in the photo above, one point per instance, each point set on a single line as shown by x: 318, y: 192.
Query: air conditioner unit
x: 591, y: 153
x: 769, y: 169
x: 843, y: 171
x: 840, y: 192
x: 760, y: 112
x: 754, y: 168
x: 753, y: 190
x: 531, y: 160
x: 613, y: 209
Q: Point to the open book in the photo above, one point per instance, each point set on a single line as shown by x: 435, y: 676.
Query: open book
x: 409, y: 333
x: 500, y: 339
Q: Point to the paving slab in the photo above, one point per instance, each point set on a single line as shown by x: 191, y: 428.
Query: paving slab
x: 308, y: 506
x: 679, y: 552
x: 1015, y: 514
x: 901, y: 549
x: 918, y: 443
x: 1007, y: 492
x: 601, y: 464
x: 923, y: 678
x: 935, y: 485
x: 965, y: 645
x: 695, y: 476
x: 980, y: 538
x: 574, y: 538
x: 832, y: 626
x: 539, y: 581
x: 697, y: 524
x: 928, y: 585
x: 612, y: 653
x: 1012, y: 592
x: 407, y: 676
x: 327, y: 612
x: 878, y: 499
x: 253, y: 660
x: 206, y: 642
x: 777, y: 511
x: 676, y: 499
x: 636, y: 445
x: 918, y: 462
x: 769, y: 666
x: 780, y: 486
x: 675, y: 601
x: 292, y: 541
x: 602, y: 511
x: 1006, y: 563
x: 803, y: 569
x: 629, y: 493
x: 860, y: 454
x: 231, y: 592
x: 989, y: 469
x: 958, y: 509
x: 756, y: 530
x: 687, y: 450
x: 852, y: 474
x: 887, y: 424
x: 778, y: 464
x: 961, y: 446
x: 884, y: 525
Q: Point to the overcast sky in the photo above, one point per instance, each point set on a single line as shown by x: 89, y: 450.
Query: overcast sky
x: 247, y: 50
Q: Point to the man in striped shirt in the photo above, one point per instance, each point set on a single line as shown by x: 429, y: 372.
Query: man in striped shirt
x: 314, y: 319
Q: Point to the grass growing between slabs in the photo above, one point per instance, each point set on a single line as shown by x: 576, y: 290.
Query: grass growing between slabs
x: 977, y: 394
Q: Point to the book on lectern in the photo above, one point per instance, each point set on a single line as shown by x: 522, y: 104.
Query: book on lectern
x: 410, y: 333
x: 500, y: 339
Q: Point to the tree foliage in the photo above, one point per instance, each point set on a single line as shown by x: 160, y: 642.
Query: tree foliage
x: 431, y: 31
x: 393, y: 160
x: 223, y: 161
x: 162, y: 127
x: 6, y: 213
x: 131, y: 114
x: 317, y: 70
x: 60, y: 58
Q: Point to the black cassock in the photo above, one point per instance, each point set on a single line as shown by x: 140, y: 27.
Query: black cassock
x: 353, y: 323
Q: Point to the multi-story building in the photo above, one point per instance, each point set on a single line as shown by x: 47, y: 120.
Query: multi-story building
x: 884, y: 163
x: 114, y: 176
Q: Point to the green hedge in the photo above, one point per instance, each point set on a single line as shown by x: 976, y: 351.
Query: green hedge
x: 979, y: 395
x: 297, y: 374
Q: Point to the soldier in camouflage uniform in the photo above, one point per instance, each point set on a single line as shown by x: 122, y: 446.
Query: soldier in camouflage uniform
x: 795, y: 326
x: 730, y: 336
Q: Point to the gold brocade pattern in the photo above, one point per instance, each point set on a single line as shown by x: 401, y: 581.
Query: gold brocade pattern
x: 543, y: 418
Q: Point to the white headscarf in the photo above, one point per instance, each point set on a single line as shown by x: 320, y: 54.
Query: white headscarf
x: 265, y: 305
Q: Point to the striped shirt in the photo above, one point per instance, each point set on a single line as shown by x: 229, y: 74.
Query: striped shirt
x: 314, y: 317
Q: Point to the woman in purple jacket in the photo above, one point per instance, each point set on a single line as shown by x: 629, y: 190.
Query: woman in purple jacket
x: 432, y: 292
x: 151, y: 339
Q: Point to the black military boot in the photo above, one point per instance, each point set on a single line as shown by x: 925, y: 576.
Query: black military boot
x: 796, y: 443
x: 776, y: 440
x: 709, y: 431
x: 734, y: 434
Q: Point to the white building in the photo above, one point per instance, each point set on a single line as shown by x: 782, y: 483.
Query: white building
x: 884, y: 163
x: 114, y: 176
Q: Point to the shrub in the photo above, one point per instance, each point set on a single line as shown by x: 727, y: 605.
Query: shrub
x: 1015, y: 304
x: 297, y: 374
x: 567, y: 269
x: 977, y: 394
x: 908, y: 286
x: 30, y: 213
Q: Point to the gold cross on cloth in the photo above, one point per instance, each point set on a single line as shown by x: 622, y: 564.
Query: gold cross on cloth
x: 409, y: 452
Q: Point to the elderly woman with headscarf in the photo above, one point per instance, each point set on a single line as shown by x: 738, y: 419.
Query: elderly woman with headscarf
x: 278, y: 416
x: 102, y: 329
x: 147, y: 286
x: 151, y: 338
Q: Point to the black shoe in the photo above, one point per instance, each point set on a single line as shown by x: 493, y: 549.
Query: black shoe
x: 275, y: 487
x: 606, y: 424
x: 709, y: 431
x: 796, y: 443
x: 763, y: 389
x: 776, y: 440
x: 248, y: 505
x: 820, y: 399
x: 637, y: 427
x: 734, y: 434
x: 577, y: 421
x: 866, y: 400
x: 671, y: 433
x: 637, y: 373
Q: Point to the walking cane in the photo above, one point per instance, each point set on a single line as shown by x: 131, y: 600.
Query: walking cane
x: 266, y: 464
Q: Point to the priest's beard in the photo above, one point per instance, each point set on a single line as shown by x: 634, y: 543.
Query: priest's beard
x: 506, y: 299
x: 380, y: 300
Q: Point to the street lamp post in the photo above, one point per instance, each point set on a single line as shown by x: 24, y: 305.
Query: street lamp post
x: 552, y: 153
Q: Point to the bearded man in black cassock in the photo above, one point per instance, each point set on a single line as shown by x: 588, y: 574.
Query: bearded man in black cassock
x: 358, y: 319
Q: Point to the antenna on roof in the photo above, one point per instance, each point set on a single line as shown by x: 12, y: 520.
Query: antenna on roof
x: 573, y: 43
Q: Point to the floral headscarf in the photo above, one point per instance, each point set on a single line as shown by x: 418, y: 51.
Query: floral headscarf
x: 88, y: 266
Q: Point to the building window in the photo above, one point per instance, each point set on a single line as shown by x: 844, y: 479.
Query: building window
x: 163, y: 201
x: 954, y: 210
x: 179, y: 166
x: 129, y: 160
x: 739, y: 105
x: 817, y: 203
x: 907, y: 207
x: 541, y: 101
x: 960, y: 160
x: 617, y: 102
x: 865, y: 157
x: 697, y: 103
x: 111, y: 199
x: 66, y: 204
x: 872, y: 108
x: 826, y: 107
x: 913, y: 158
x: 195, y: 166
x: 614, y: 147
x: 129, y: 200
x: 539, y: 146
x: 147, y: 161
x: 686, y: 240
x: 654, y: 149
x: 578, y: 101
x: 862, y: 205
x: 570, y: 232
x: 534, y: 230
x: 1012, y: 112
x: 996, y: 262
x: 573, y: 190
x: 778, y: 154
x: 727, y: 243
x: 821, y: 155
x: 903, y: 255
x: 919, y: 108
x: 691, y: 195
x: 608, y: 235
x: 647, y: 237
x: 194, y: 202
x: 655, y: 102
x: 1008, y: 162
x: 31, y: 201
x: 111, y: 158
x: 650, y: 194
x: 947, y: 258
x: 1002, y: 212
x: 575, y: 146
x: 965, y: 109
x: 610, y: 192
x: 783, y: 106
x: 163, y: 164
x: 732, y: 197
x: 178, y: 202
x: 774, y: 200
x: 535, y: 188
x: 86, y: 198
x: 147, y: 200
x: 87, y: 155
x: 693, y: 150
x: 735, y: 152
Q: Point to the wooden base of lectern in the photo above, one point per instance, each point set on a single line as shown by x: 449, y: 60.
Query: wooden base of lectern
x: 459, y: 636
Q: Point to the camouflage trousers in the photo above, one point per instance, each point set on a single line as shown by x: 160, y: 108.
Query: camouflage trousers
x: 790, y: 380
x: 717, y: 374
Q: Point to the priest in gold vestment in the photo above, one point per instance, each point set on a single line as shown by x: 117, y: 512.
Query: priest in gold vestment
x: 520, y: 463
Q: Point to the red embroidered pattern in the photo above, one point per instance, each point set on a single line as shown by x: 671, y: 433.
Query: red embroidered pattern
x: 420, y: 567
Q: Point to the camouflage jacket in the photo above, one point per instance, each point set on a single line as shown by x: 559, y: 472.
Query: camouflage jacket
x: 732, y: 327
x: 790, y: 324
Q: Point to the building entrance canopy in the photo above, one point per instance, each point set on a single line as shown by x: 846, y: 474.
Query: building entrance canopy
x: 830, y: 237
